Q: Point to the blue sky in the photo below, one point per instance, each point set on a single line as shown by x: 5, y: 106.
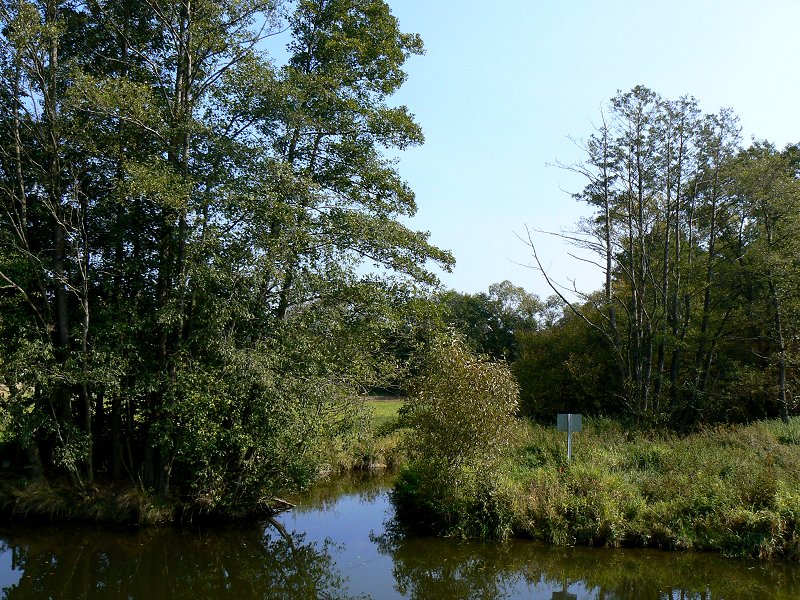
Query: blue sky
x: 502, y: 85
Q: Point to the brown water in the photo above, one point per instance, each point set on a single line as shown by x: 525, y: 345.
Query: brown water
x: 336, y: 545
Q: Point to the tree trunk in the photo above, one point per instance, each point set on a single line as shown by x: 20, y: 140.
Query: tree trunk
x: 777, y: 315
x: 116, y: 436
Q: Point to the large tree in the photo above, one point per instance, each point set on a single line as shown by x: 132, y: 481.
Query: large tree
x: 688, y: 229
x: 189, y: 233
x: 491, y: 322
x: 766, y: 185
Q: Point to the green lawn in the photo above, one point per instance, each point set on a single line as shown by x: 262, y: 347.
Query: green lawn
x: 384, y: 409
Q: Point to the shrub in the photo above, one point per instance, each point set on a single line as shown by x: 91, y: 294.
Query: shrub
x: 461, y: 413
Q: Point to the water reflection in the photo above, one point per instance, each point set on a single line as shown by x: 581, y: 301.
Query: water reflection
x: 339, y: 544
x: 429, y: 568
x: 433, y: 568
x: 237, y: 563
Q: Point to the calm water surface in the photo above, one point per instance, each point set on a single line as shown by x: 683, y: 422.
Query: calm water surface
x: 339, y: 543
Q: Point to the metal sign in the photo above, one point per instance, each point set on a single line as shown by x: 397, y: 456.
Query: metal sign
x: 569, y: 422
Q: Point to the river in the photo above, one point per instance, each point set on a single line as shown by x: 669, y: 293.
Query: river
x: 340, y: 543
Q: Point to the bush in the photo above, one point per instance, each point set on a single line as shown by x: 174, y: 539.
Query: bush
x: 461, y: 413
x: 477, y: 505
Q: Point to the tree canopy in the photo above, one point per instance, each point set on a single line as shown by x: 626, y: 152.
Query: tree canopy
x: 691, y: 230
x: 201, y: 249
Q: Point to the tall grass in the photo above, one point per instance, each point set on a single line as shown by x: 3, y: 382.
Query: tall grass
x: 41, y: 501
x: 733, y: 489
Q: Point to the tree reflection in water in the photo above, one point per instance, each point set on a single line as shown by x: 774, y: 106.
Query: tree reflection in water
x: 434, y: 568
x: 235, y: 563
x: 245, y: 563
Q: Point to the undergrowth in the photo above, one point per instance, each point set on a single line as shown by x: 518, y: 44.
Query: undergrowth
x: 377, y: 445
x: 43, y: 501
x: 732, y: 489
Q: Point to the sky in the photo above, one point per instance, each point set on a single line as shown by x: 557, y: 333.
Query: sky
x: 503, y: 86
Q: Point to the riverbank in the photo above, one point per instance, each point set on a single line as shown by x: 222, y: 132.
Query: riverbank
x: 340, y: 543
x: 731, y: 489
x: 377, y: 447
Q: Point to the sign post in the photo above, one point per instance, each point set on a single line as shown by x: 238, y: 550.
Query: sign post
x: 569, y: 422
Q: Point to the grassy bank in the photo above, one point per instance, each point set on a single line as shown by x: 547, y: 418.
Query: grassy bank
x: 376, y: 446
x: 732, y: 489
x: 99, y: 503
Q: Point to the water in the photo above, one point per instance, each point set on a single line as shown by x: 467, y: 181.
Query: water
x: 336, y: 545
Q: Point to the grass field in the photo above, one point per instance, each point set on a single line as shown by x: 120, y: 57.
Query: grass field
x: 384, y: 409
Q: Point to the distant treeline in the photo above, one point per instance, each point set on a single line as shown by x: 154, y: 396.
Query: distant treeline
x: 698, y: 239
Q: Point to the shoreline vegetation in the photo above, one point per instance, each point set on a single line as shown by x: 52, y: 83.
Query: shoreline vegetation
x: 475, y: 470
x: 378, y: 447
x: 731, y: 489
x: 205, y: 251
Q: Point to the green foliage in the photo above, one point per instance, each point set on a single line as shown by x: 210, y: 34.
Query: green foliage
x: 461, y: 415
x: 462, y: 408
x: 696, y: 237
x: 491, y: 323
x: 203, y: 253
x: 565, y: 368
x: 45, y: 502
x: 727, y: 489
x: 477, y: 505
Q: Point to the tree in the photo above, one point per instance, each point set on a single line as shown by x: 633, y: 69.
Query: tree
x: 188, y: 230
x: 766, y: 184
x: 490, y: 322
x: 690, y: 231
x: 566, y: 367
x: 462, y: 413
x: 656, y: 177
